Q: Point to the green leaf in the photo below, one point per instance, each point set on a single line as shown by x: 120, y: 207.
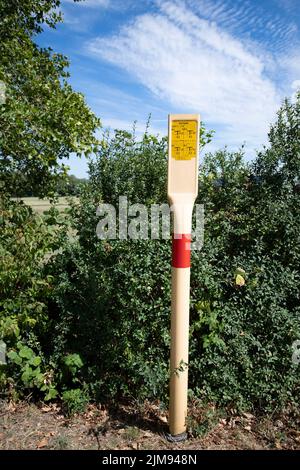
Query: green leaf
x: 35, y: 361
x: 14, y: 357
x: 52, y: 393
x: 239, y: 280
x: 26, y: 352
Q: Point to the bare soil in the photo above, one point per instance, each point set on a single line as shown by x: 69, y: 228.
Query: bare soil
x: 43, y: 426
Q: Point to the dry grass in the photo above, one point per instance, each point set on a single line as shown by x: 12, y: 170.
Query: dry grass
x: 42, y: 205
x: 29, y: 426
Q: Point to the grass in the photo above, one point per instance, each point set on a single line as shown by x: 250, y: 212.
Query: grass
x: 44, y: 426
x: 42, y: 205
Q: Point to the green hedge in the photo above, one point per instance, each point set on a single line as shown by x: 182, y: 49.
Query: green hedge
x: 108, y: 309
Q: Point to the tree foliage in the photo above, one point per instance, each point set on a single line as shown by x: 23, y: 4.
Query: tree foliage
x: 42, y: 119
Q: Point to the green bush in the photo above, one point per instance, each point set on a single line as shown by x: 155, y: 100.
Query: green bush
x: 28, y: 372
x: 26, y: 243
x: 103, y: 329
x: 111, y: 302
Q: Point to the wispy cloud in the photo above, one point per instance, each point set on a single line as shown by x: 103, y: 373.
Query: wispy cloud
x: 291, y: 6
x: 80, y: 16
x: 250, y: 19
x: 196, y: 65
x: 291, y: 63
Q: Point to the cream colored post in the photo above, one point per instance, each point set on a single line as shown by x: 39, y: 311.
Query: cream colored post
x: 182, y: 192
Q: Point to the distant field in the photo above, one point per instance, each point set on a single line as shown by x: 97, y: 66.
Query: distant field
x: 42, y: 205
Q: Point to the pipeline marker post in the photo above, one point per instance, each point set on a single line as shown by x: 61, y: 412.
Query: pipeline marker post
x: 182, y: 192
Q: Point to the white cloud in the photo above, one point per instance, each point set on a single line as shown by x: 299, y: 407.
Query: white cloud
x: 196, y: 66
x: 296, y: 88
x: 292, y: 64
x: 296, y: 85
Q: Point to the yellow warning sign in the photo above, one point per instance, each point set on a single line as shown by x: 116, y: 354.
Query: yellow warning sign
x: 184, y: 139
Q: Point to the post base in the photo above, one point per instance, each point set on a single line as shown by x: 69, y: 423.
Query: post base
x: 177, y: 438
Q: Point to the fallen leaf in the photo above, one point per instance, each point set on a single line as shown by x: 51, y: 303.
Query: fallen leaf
x: 163, y: 419
x: 279, y: 423
x: 154, y: 407
x: 46, y: 409
x: 42, y: 443
x: 231, y: 423
x: 121, y: 431
x: 11, y: 407
x: 248, y: 428
x: 248, y: 415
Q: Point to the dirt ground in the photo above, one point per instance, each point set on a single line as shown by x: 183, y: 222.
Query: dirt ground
x: 43, y: 426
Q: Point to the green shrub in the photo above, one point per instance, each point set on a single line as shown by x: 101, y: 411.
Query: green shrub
x: 29, y: 373
x: 26, y: 242
x: 112, y: 298
x: 104, y: 327
x: 75, y: 401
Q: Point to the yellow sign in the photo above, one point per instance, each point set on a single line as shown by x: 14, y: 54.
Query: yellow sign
x: 184, y: 139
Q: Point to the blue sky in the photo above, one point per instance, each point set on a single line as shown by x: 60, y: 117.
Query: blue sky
x: 233, y: 61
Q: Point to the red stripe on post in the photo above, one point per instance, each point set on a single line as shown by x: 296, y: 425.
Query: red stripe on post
x: 181, y: 250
